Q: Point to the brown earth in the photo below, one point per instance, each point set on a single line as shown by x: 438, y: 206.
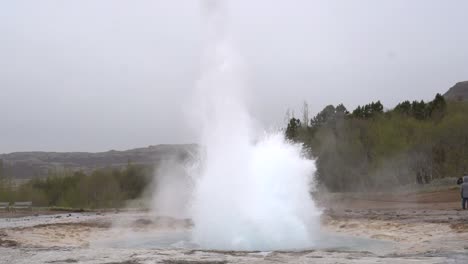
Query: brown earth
x: 440, y: 199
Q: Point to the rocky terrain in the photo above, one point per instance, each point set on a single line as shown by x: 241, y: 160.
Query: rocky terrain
x: 459, y: 92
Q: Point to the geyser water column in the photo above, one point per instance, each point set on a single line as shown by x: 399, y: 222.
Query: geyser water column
x: 253, y: 193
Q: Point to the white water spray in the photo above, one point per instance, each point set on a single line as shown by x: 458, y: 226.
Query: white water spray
x: 252, y: 193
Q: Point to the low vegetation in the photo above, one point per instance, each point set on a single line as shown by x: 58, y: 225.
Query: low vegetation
x: 103, y: 188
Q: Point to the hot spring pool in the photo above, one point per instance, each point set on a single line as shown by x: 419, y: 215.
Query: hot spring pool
x: 182, y: 240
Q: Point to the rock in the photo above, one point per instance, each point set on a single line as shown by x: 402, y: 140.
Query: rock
x: 8, y: 243
x: 459, y: 92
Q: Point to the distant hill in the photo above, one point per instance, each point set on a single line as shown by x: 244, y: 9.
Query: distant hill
x: 459, y: 92
x: 26, y: 165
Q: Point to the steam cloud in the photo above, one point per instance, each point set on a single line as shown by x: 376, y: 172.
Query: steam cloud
x: 252, y: 193
x: 245, y: 192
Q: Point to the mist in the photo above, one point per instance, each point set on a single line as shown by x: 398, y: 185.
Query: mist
x: 249, y: 191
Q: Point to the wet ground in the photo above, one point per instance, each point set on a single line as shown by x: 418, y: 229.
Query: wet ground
x: 359, y: 229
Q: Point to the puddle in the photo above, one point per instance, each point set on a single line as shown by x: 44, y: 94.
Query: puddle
x: 182, y: 240
x: 351, y: 243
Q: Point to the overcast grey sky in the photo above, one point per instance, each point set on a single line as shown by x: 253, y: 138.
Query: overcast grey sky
x: 111, y: 74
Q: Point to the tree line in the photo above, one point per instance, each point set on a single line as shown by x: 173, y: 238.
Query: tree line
x: 374, y: 148
x: 103, y: 188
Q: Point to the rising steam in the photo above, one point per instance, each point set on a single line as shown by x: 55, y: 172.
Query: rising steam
x: 251, y: 193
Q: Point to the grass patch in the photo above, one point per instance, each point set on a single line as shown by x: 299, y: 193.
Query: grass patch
x: 68, y: 209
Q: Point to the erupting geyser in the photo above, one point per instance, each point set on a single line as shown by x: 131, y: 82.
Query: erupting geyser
x: 252, y: 193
